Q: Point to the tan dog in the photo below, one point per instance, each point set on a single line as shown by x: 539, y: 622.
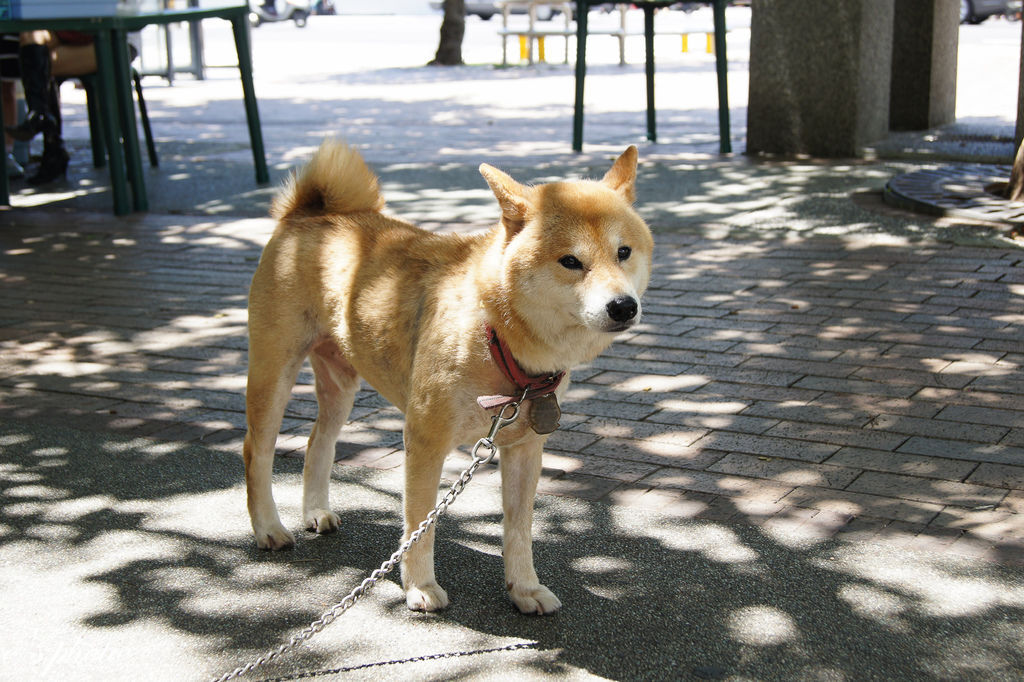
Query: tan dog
x: 362, y: 294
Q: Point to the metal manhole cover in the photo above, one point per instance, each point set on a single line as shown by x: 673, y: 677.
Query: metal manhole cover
x: 960, y: 190
x: 968, y: 137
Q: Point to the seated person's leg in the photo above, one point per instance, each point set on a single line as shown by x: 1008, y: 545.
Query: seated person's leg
x: 73, y: 60
x: 36, y: 79
x: 43, y: 100
x: 9, y: 74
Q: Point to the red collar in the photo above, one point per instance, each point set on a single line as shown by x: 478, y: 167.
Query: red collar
x: 531, y: 387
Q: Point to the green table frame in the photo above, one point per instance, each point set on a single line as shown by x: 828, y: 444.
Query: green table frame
x: 117, y: 109
x: 648, y: 7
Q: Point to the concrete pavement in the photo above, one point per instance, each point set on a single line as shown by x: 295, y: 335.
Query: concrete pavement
x: 808, y: 462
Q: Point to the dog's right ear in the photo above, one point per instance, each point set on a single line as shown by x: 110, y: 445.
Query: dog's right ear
x: 512, y: 197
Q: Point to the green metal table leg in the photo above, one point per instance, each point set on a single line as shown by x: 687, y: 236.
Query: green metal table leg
x: 5, y: 187
x: 109, y: 120
x: 92, y: 105
x: 583, y: 7
x: 240, y: 27
x: 195, y: 37
x: 126, y: 113
x: 722, y: 67
x: 652, y: 124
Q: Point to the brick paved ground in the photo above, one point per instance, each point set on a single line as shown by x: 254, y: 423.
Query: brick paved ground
x: 800, y: 396
x: 813, y: 387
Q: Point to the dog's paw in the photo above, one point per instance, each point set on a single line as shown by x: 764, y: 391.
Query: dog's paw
x: 275, y: 538
x: 429, y: 597
x: 322, y: 521
x: 537, y: 599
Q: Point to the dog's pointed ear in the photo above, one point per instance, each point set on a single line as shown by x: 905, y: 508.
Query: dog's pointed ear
x: 621, y: 177
x: 512, y: 198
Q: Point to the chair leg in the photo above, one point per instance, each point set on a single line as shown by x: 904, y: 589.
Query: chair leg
x: 99, y: 146
x: 144, y: 115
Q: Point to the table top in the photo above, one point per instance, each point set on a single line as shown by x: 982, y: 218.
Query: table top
x: 128, y: 22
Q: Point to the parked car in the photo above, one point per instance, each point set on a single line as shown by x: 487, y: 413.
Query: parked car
x: 485, y: 10
x: 977, y: 11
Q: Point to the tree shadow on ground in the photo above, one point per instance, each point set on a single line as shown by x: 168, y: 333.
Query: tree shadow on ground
x: 647, y: 596
x: 137, y: 326
x: 206, y: 168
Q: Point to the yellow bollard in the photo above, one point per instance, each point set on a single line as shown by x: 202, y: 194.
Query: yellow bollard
x: 540, y: 49
x: 522, y: 48
x: 711, y: 43
x: 686, y: 43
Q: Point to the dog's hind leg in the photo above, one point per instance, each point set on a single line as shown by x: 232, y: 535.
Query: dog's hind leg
x: 520, y: 471
x: 271, y: 378
x: 336, y: 386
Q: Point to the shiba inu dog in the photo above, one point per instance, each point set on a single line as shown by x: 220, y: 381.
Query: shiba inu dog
x: 443, y: 326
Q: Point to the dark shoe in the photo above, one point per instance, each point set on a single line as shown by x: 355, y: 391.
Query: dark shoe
x: 37, y: 122
x: 53, y: 167
x: 14, y: 169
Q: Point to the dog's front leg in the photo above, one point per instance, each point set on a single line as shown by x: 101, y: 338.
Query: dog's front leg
x: 424, y: 459
x: 520, y: 470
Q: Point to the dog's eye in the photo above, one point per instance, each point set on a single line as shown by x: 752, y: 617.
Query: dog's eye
x: 624, y: 252
x: 571, y: 262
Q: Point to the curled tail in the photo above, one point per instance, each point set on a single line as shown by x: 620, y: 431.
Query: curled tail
x: 335, y: 181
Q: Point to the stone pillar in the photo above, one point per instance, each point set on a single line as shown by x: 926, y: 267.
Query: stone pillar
x: 819, y: 76
x: 924, y: 51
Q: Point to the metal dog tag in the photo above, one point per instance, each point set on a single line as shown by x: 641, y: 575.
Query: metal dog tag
x: 545, y: 413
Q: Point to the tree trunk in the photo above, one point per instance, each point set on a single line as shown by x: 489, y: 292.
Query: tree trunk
x: 453, y: 26
x: 1015, y: 187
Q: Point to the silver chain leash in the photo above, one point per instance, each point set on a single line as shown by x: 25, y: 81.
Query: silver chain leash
x: 498, y: 422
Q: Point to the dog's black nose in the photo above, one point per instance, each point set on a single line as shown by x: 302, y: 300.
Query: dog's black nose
x: 622, y: 309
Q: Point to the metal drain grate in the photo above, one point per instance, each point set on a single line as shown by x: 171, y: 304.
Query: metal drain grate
x: 961, y: 190
x: 967, y: 137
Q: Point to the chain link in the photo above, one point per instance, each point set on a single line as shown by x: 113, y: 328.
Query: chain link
x: 498, y: 422
x: 519, y: 646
